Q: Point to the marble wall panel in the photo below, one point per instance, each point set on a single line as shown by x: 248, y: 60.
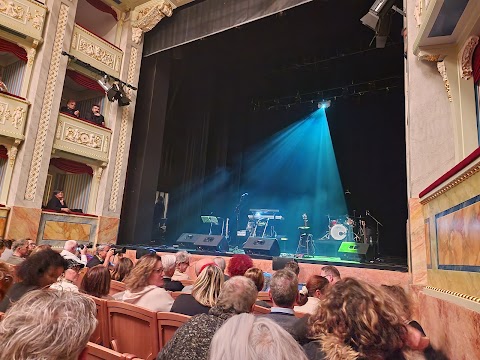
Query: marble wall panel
x: 3, y: 220
x: 23, y: 223
x: 428, y: 244
x: 417, y: 254
x: 107, y: 229
x: 61, y: 230
x: 459, y: 281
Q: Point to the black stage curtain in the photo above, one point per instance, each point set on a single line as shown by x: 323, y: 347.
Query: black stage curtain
x: 201, y: 19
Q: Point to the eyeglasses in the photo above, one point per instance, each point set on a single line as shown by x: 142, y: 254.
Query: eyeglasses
x: 158, y: 270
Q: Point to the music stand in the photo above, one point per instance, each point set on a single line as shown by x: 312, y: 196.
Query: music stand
x: 208, y: 219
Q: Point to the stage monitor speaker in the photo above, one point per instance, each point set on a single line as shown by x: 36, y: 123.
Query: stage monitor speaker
x: 211, y: 243
x: 353, y: 251
x: 278, y: 263
x: 187, y: 240
x: 261, y: 246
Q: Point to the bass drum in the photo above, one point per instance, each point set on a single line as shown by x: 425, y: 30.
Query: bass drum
x: 338, y: 232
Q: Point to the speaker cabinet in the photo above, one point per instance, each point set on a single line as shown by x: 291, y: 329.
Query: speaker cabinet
x: 187, y: 240
x: 262, y: 246
x: 353, y: 251
x: 211, y: 243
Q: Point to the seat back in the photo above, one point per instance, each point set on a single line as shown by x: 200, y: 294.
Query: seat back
x: 257, y: 310
x: 299, y: 314
x: 187, y: 282
x: 132, y: 329
x: 175, y: 294
x: 98, y: 352
x: 116, y: 287
x: 81, y: 274
x: 100, y: 335
x: 168, y: 323
x: 263, y: 295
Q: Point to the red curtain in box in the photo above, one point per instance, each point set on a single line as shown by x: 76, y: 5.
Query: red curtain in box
x: 84, y: 81
x: 3, y: 152
x: 99, y: 5
x: 476, y: 64
x: 16, y: 50
x: 71, y: 166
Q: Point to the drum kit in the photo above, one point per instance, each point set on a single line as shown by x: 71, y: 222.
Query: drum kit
x: 346, y: 228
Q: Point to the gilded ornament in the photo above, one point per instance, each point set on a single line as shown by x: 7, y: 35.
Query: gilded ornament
x: 465, y: 57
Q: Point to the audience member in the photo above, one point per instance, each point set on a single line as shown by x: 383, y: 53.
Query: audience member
x: 70, y: 276
x: 48, y: 325
x: 20, y: 250
x: 204, y: 294
x: 31, y: 246
x: 122, y: 269
x: 2, y: 247
x: 96, y: 282
x: 331, y: 273
x: 283, y: 293
x: 8, y: 250
x: 6, y: 279
x: 238, y: 264
x: 71, y: 108
x: 95, y: 116
x: 182, y: 262
x: 356, y: 320
x: 256, y: 338
x: 144, y: 285
x: 40, y: 247
x: 69, y: 252
x: 37, y: 271
x: 199, y: 266
x: 169, y: 264
x: 293, y: 266
x: 256, y: 275
x: 57, y: 202
x: 192, y: 340
x: 220, y: 261
x: 3, y: 87
x: 103, y: 255
x: 317, y: 287
x: 268, y: 278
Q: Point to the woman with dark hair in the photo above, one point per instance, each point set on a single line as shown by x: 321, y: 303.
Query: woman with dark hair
x: 37, y: 271
x: 96, y: 282
x: 316, y: 289
x: 122, y: 269
x: 6, y: 279
x: 239, y: 264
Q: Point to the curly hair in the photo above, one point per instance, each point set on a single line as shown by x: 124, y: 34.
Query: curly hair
x: 360, y: 316
x: 138, y: 277
x: 238, y: 264
x: 33, y: 268
x: 399, y: 295
x: 256, y: 275
x: 96, y: 281
x: 122, y: 269
x: 207, y: 286
x: 6, y: 279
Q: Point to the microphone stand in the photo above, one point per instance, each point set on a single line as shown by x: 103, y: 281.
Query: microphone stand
x: 237, y: 216
x: 378, y: 234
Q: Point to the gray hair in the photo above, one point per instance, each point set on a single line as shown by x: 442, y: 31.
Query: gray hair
x: 70, y: 244
x: 237, y: 294
x: 101, y: 247
x: 220, y: 262
x: 255, y: 337
x: 182, y: 257
x: 19, y: 243
x: 47, y: 325
x: 284, y: 288
x: 168, y: 262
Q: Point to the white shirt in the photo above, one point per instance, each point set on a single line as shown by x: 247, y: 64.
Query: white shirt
x: 6, y: 254
x: 310, y: 307
x: 67, y: 255
x: 64, y: 285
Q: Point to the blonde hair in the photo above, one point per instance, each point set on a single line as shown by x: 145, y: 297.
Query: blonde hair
x: 255, y: 338
x: 47, y: 325
x: 138, y: 277
x: 207, y: 286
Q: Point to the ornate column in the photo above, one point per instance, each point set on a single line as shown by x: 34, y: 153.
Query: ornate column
x: 12, y: 155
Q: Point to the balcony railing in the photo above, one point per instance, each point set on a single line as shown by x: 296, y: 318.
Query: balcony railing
x: 96, y: 51
x: 24, y: 16
x: 13, y: 115
x: 80, y: 137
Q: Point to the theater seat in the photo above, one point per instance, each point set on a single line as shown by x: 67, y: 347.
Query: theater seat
x: 258, y: 310
x: 97, y: 352
x: 187, y: 282
x: 168, y: 323
x: 175, y: 294
x: 116, y: 287
x: 263, y: 296
x: 100, y: 335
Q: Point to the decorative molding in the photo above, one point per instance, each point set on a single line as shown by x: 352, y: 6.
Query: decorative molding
x: 12, y: 152
x: 424, y: 56
x: 465, y: 57
x: 45, y: 114
x: 451, y: 184
x: 443, y: 72
x: 96, y: 52
x: 122, y: 139
x: 146, y: 16
x: 454, y: 293
x: 82, y: 137
x: 418, y: 12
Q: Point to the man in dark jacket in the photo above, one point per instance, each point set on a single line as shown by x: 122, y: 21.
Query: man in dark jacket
x: 71, y: 108
x: 57, y: 202
x: 95, y: 116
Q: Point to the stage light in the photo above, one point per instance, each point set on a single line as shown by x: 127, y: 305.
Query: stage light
x: 116, y: 92
x: 103, y: 82
x: 324, y: 104
x: 379, y: 19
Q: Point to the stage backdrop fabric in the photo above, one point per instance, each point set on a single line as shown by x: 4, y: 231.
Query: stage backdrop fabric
x: 201, y: 19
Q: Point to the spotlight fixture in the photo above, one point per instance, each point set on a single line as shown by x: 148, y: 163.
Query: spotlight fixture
x: 116, y: 92
x: 379, y: 19
x: 325, y: 104
x: 103, y: 82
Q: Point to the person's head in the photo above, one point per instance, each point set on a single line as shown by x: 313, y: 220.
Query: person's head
x: 168, y: 262
x: 58, y: 194
x: 256, y: 275
x: 220, y: 261
x: 238, y: 264
x: 41, y: 248
x: 48, y: 325
x: 398, y: 294
x: 2, y: 247
x: 42, y: 268
x: 317, y: 286
x: 255, y: 338
x: 102, y: 250
x: 6, y: 279
x: 71, y: 104
x: 31, y: 245
x: 293, y: 266
x: 8, y: 243
x: 96, y: 109
x: 182, y: 261
x: 360, y: 316
x: 200, y: 264
x: 73, y: 270
x: 96, y: 281
x: 284, y: 288
x: 147, y: 271
x: 207, y: 286
x: 70, y: 246
x: 20, y: 248
x: 122, y: 269
x: 237, y: 295
x: 331, y: 273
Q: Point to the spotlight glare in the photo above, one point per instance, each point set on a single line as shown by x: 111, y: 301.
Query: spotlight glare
x: 324, y: 104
